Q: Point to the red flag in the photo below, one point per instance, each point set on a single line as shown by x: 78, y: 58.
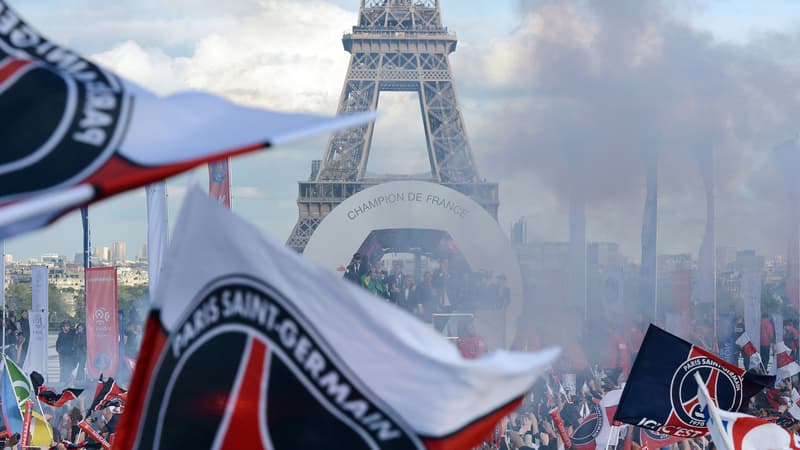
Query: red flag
x: 102, y: 329
x: 219, y: 182
x: 50, y: 397
x: 750, y: 350
x: 74, y: 133
x: 106, y: 393
x: 787, y: 366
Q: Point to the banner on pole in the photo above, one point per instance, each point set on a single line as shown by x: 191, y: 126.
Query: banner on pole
x: 156, y: 231
x: 682, y: 293
x: 219, y: 182
x: 751, y: 294
x: 102, y: 346
x: 36, y: 358
x: 39, y: 288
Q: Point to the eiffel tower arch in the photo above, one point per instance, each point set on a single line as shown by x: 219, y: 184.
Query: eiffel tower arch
x: 396, y: 46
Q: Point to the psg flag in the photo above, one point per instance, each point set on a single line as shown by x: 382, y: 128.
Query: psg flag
x: 661, y: 393
x: 249, y: 345
x: 74, y: 133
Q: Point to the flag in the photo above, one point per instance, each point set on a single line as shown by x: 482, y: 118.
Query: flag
x: 21, y: 390
x: 11, y: 411
x: 49, y: 396
x: 744, y: 432
x: 75, y: 133
x: 787, y: 366
x: 794, y: 405
x: 102, y: 339
x: 106, y: 392
x: 219, y: 182
x: 585, y: 434
x: 651, y: 440
x: 750, y: 350
x: 256, y: 344
x: 648, y: 273
x: 661, y: 395
x: 608, y: 406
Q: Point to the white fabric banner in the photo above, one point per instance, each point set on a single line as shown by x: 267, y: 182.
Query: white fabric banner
x: 39, y: 288
x: 751, y: 295
x: 777, y: 320
x: 254, y: 302
x: 157, y: 230
x: 36, y: 358
x: 705, y: 287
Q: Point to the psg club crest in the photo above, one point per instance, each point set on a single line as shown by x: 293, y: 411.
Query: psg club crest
x: 67, y: 136
x: 219, y: 171
x: 241, y: 359
x: 722, y: 382
x: 589, y: 427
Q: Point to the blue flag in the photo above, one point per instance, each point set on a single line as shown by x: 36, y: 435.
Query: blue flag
x: 661, y: 393
x: 10, y: 406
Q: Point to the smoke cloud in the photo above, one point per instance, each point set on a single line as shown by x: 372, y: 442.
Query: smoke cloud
x: 591, y: 89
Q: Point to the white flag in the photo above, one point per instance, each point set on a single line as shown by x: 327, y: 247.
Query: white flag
x: 36, y: 358
x: 80, y: 133
x: 157, y: 230
x: 286, y: 355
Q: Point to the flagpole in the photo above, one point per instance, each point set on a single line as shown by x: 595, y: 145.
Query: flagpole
x: 702, y: 390
x: 3, y: 296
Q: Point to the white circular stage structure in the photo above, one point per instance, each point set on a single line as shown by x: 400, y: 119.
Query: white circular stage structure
x: 415, y: 205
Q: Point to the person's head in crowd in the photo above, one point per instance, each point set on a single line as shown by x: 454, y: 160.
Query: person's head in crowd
x: 79, y: 328
x: 75, y: 415
x: 397, y: 268
x: 427, y: 277
x: 515, y: 440
x: 24, y: 314
x: 408, y: 282
x: 378, y: 266
x: 528, y: 440
x: 356, y: 258
x: 65, y: 325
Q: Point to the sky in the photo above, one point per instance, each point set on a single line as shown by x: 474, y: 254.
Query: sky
x: 586, y: 89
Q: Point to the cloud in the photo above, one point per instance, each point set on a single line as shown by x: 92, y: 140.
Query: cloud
x: 264, y: 61
x: 255, y: 192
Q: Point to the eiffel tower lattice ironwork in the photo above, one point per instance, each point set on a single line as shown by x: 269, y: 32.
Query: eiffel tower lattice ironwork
x: 400, y: 46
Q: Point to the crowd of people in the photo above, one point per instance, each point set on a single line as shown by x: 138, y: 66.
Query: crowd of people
x: 439, y: 291
x: 600, y: 362
x: 17, y: 335
x: 71, y: 347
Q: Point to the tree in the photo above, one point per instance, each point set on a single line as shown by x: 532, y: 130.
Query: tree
x: 59, y: 309
x: 133, y: 298
x: 19, y: 297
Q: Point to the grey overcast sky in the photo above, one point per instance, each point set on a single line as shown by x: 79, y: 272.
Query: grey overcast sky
x: 554, y: 93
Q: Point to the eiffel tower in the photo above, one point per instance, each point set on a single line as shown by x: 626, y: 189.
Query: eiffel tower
x: 397, y: 46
